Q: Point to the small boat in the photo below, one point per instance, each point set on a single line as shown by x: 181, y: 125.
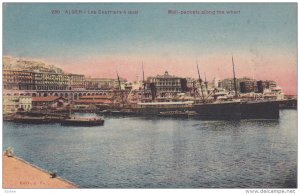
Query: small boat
x: 178, y: 114
x: 75, y: 121
x: 31, y: 120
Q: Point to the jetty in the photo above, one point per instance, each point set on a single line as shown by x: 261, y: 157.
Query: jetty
x: 19, y: 174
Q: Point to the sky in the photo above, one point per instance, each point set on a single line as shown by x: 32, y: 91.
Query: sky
x: 262, y: 38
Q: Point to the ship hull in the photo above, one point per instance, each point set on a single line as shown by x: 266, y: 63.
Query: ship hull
x: 219, y: 111
x: 287, y: 104
x: 238, y: 110
x: 260, y: 110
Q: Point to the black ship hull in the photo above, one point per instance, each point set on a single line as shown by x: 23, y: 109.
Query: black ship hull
x: 219, y: 111
x: 238, y: 110
x: 287, y: 104
x: 260, y: 110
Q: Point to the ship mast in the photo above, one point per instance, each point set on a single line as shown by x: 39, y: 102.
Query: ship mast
x: 205, y: 82
x: 200, y: 81
x: 144, y: 84
x: 194, y: 90
x: 234, y: 79
x: 119, y: 82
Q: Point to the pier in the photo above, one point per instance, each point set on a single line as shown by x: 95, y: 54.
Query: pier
x: 19, y: 174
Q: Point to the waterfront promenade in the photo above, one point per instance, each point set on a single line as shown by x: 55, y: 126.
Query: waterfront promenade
x: 18, y: 174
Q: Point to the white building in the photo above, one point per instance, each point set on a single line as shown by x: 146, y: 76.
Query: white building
x: 11, y: 104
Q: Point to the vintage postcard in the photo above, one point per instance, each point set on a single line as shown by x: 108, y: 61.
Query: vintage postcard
x: 150, y: 95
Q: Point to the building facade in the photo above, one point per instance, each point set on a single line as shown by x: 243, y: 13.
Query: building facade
x: 76, y: 82
x: 165, y: 84
x: 104, y: 83
x: 48, y: 102
x: 12, y: 104
x: 267, y: 84
x: 34, y: 80
x: 18, y: 80
x: 247, y: 85
x: 228, y: 84
x: 50, y: 81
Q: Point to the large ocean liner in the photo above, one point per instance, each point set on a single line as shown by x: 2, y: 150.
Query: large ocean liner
x: 236, y: 108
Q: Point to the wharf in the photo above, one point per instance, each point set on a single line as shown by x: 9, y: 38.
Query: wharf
x: 19, y: 174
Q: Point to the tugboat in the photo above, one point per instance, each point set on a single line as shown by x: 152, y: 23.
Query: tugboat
x: 84, y: 122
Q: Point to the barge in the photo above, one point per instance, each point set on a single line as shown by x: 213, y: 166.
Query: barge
x: 31, y: 120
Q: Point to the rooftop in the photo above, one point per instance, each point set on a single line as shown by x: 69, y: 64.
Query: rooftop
x: 45, y: 99
x: 93, y: 101
x: 166, y: 75
x: 96, y: 97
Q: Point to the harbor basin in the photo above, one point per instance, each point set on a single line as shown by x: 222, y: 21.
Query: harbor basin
x: 141, y: 152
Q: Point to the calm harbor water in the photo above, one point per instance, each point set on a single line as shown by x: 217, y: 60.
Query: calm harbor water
x: 164, y: 153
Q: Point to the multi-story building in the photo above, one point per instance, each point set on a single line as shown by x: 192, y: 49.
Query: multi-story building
x: 34, y: 80
x: 263, y: 85
x: 228, y: 84
x: 270, y: 84
x: 243, y: 85
x: 247, y: 85
x: 18, y: 80
x: 50, y: 81
x: 25, y: 103
x: 12, y: 103
x: 104, y: 83
x: 167, y: 85
x: 76, y: 82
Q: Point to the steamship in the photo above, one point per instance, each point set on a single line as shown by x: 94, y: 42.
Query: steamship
x: 234, y: 109
x: 237, y: 109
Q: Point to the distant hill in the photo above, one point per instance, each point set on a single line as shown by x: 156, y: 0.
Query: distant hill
x: 28, y: 65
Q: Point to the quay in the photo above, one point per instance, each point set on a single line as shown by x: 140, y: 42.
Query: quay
x: 19, y: 174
